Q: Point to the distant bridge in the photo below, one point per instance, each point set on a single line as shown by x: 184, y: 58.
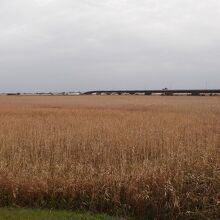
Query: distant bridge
x: 167, y: 92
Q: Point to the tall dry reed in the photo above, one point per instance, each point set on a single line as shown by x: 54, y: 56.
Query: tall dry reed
x: 156, y: 157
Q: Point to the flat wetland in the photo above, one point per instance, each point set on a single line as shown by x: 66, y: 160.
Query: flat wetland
x: 142, y: 156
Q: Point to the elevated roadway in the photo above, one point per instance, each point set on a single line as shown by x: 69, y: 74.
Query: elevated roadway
x: 193, y: 92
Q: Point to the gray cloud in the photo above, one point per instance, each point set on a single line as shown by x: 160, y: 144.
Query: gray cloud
x: 56, y: 45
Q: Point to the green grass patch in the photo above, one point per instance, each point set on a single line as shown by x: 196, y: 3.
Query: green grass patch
x: 36, y: 214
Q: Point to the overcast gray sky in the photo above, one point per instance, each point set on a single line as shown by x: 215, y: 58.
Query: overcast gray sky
x: 67, y: 45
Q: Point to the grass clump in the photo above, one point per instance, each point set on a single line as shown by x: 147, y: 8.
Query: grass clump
x: 30, y: 214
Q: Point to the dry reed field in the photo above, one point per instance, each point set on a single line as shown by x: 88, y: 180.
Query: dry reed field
x: 150, y: 157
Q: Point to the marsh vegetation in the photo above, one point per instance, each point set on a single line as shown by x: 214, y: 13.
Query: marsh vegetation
x: 123, y: 155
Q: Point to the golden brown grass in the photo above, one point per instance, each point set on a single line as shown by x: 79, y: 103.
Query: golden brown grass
x: 147, y: 156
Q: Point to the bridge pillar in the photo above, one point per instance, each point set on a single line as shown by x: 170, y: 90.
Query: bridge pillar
x: 195, y: 94
x: 147, y: 93
x: 168, y: 93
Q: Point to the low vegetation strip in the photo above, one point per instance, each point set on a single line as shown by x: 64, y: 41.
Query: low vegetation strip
x: 151, y: 157
x: 30, y: 214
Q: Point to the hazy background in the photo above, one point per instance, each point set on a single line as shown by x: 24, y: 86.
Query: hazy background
x: 69, y: 45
